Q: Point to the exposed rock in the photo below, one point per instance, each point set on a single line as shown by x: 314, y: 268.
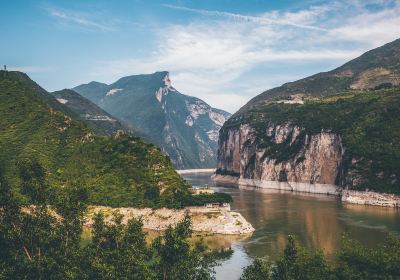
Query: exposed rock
x: 375, y: 77
x: 317, y: 160
x: 371, y: 198
x: 213, y: 220
x: 184, y: 127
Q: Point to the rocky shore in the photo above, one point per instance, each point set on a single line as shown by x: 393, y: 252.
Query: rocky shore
x: 347, y: 196
x: 276, y: 185
x: 371, y: 198
x: 211, y: 220
x: 188, y: 171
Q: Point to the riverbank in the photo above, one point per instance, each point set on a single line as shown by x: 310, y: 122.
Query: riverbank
x: 218, y: 220
x: 188, y: 171
x: 347, y: 196
x: 371, y: 198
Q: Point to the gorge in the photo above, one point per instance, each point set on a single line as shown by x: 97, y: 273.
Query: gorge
x: 330, y: 133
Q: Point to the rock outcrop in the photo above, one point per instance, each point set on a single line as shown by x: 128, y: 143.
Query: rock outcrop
x: 184, y: 127
x: 218, y: 220
x: 332, y: 131
x: 313, y: 163
x: 314, y: 159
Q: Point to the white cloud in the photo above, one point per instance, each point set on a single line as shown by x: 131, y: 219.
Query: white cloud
x: 79, y: 19
x: 290, y: 19
x: 209, y: 57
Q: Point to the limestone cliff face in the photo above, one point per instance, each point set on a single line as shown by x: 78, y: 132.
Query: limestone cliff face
x: 301, y: 157
x: 184, y: 127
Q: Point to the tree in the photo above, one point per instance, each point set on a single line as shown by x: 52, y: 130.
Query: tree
x: 41, y: 241
x: 358, y: 262
x: 175, y: 257
x: 118, y: 251
x: 258, y: 270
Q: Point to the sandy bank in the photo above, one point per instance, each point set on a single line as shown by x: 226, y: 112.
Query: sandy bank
x: 216, y: 220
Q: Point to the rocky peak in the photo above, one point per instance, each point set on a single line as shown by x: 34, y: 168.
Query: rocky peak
x: 167, y: 80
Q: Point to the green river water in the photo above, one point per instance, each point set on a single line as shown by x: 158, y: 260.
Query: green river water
x: 317, y: 221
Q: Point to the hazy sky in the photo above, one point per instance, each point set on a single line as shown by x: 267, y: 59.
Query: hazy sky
x: 222, y: 51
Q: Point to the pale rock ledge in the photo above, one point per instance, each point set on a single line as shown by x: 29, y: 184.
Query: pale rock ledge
x: 219, y: 220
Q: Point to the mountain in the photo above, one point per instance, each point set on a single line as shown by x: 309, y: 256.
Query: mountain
x: 378, y: 68
x: 118, y: 171
x: 339, y: 128
x: 94, y: 116
x: 185, y: 127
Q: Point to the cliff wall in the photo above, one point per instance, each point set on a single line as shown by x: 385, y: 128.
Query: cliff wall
x: 285, y: 154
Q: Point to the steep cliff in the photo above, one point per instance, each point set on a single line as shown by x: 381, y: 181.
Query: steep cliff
x: 338, y: 128
x: 310, y: 157
x: 351, y: 141
x: 184, y: 127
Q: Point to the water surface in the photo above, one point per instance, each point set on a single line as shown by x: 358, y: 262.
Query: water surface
x: 317, y: 221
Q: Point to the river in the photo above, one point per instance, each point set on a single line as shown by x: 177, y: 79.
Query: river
x: 317, y: 221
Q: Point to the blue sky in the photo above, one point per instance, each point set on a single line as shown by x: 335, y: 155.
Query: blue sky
x: 223, y: 51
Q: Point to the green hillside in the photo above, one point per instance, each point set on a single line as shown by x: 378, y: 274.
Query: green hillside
x: 368, y: 122
x: 98, y: 119
x: 184, y: 127
x: 119, y: 171
x: 377, y: 68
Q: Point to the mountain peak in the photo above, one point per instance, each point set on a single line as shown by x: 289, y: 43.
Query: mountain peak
x: 166, y: 79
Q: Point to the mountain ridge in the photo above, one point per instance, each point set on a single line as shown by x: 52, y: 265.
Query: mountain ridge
x: 185, y: 127
x: 337, y: 128
x: 361, y: 73
x: 94, y: 116
x: 121, y: 170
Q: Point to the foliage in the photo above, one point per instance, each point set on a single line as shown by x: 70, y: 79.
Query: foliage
x: 353, y: 261
x: 117, y: 171
x: 37, y: 243
x: 258, y: 270
x: 367, y: 121
x: 384, y: 60
x: 175, y: 259
x: 43, y: 241
x: 164, y: 121
x: 203, y: 199
x: 96, y: 118
x: 358, y: 262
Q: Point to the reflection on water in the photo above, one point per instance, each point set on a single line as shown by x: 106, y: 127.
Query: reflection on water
x: 317, y: 221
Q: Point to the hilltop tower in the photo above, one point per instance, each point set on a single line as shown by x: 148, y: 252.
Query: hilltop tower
x: 5, y: 67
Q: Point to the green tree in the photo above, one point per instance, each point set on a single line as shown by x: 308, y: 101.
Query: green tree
x: 175, y: 257
x: 358, y: 262
x: 118, y: 251
x: 41, y: 241
x: 258, y: 270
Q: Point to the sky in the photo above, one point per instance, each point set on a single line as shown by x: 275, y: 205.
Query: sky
x: 222, y: 51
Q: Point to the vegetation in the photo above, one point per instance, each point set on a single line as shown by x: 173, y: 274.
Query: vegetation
x: 117, y: 171
x: 368, y: 122
x: 203, y: 199
x: 96, y: 118
x: 377, y: 68
x: 163, y: 122
x: 44, y: 240
x: 353, y: 262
